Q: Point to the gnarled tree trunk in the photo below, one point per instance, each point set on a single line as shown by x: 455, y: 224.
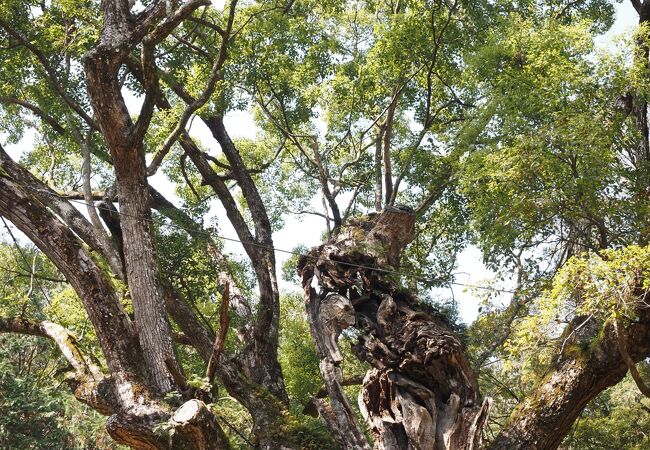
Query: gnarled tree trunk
x: 422, y: 392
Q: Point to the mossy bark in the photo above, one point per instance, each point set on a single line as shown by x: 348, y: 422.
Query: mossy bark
x: 589, y: 363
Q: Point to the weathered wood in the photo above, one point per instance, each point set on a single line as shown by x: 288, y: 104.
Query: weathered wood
x: 199, y: 426
x: 329, y: 315
x: 422, y: 392
x: 113, y: 327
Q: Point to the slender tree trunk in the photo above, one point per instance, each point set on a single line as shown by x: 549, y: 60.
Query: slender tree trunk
x: 388, y: 140
x: 378, y: 167
x: 263, y: 348
x: 642, y: 58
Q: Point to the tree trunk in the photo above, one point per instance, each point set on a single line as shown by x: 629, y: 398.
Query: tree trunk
x: 422, y: 393
x: 128, y: 394
x: 114, y: 328
x: 101, y: 66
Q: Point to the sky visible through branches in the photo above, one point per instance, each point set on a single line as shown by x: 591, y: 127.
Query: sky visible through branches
x: 307, y: 230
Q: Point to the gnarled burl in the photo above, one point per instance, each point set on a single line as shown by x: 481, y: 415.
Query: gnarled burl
x: 422, y: 392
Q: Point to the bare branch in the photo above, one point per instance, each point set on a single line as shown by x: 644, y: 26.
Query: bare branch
x: 208, y: 24
x: 214, y: 77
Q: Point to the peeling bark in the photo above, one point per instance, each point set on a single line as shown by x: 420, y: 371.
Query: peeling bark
x: 422, y: 392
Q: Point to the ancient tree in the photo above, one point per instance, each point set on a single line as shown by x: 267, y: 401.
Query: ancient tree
x: 419, y: 126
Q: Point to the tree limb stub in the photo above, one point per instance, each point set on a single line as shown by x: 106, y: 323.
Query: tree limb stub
x: 87, y: 382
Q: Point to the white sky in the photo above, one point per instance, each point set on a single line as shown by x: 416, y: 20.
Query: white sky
x: 307, y: 230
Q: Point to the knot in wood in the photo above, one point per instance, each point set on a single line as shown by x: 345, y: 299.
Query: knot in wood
x: 336, y: 313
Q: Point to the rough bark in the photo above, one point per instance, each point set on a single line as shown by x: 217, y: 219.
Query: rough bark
x: 590, y: 363
x: 128, y: 394
x: 114, y: 328
x: 378, y: 170
x: 133, y: 192
x: 253, y: 377
x: 388, y: 136
x: 422, y: 393
x: 191, y: 418
x: 261, y: 351
x: 328, y: 316
x: 241, y: 376
x: 592, y: 359
x: 260, y: 354
x: 640, y: 110
x: 136, y: 407
x: 119, y: 36
x: 62, y: 208
x: 194, y: 425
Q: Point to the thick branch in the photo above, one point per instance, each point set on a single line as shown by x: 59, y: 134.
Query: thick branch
x: 112, y: 325
x: 69, y: 214
x: 61, y: 337
x: 87, y: 383
x: 546, y: 416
